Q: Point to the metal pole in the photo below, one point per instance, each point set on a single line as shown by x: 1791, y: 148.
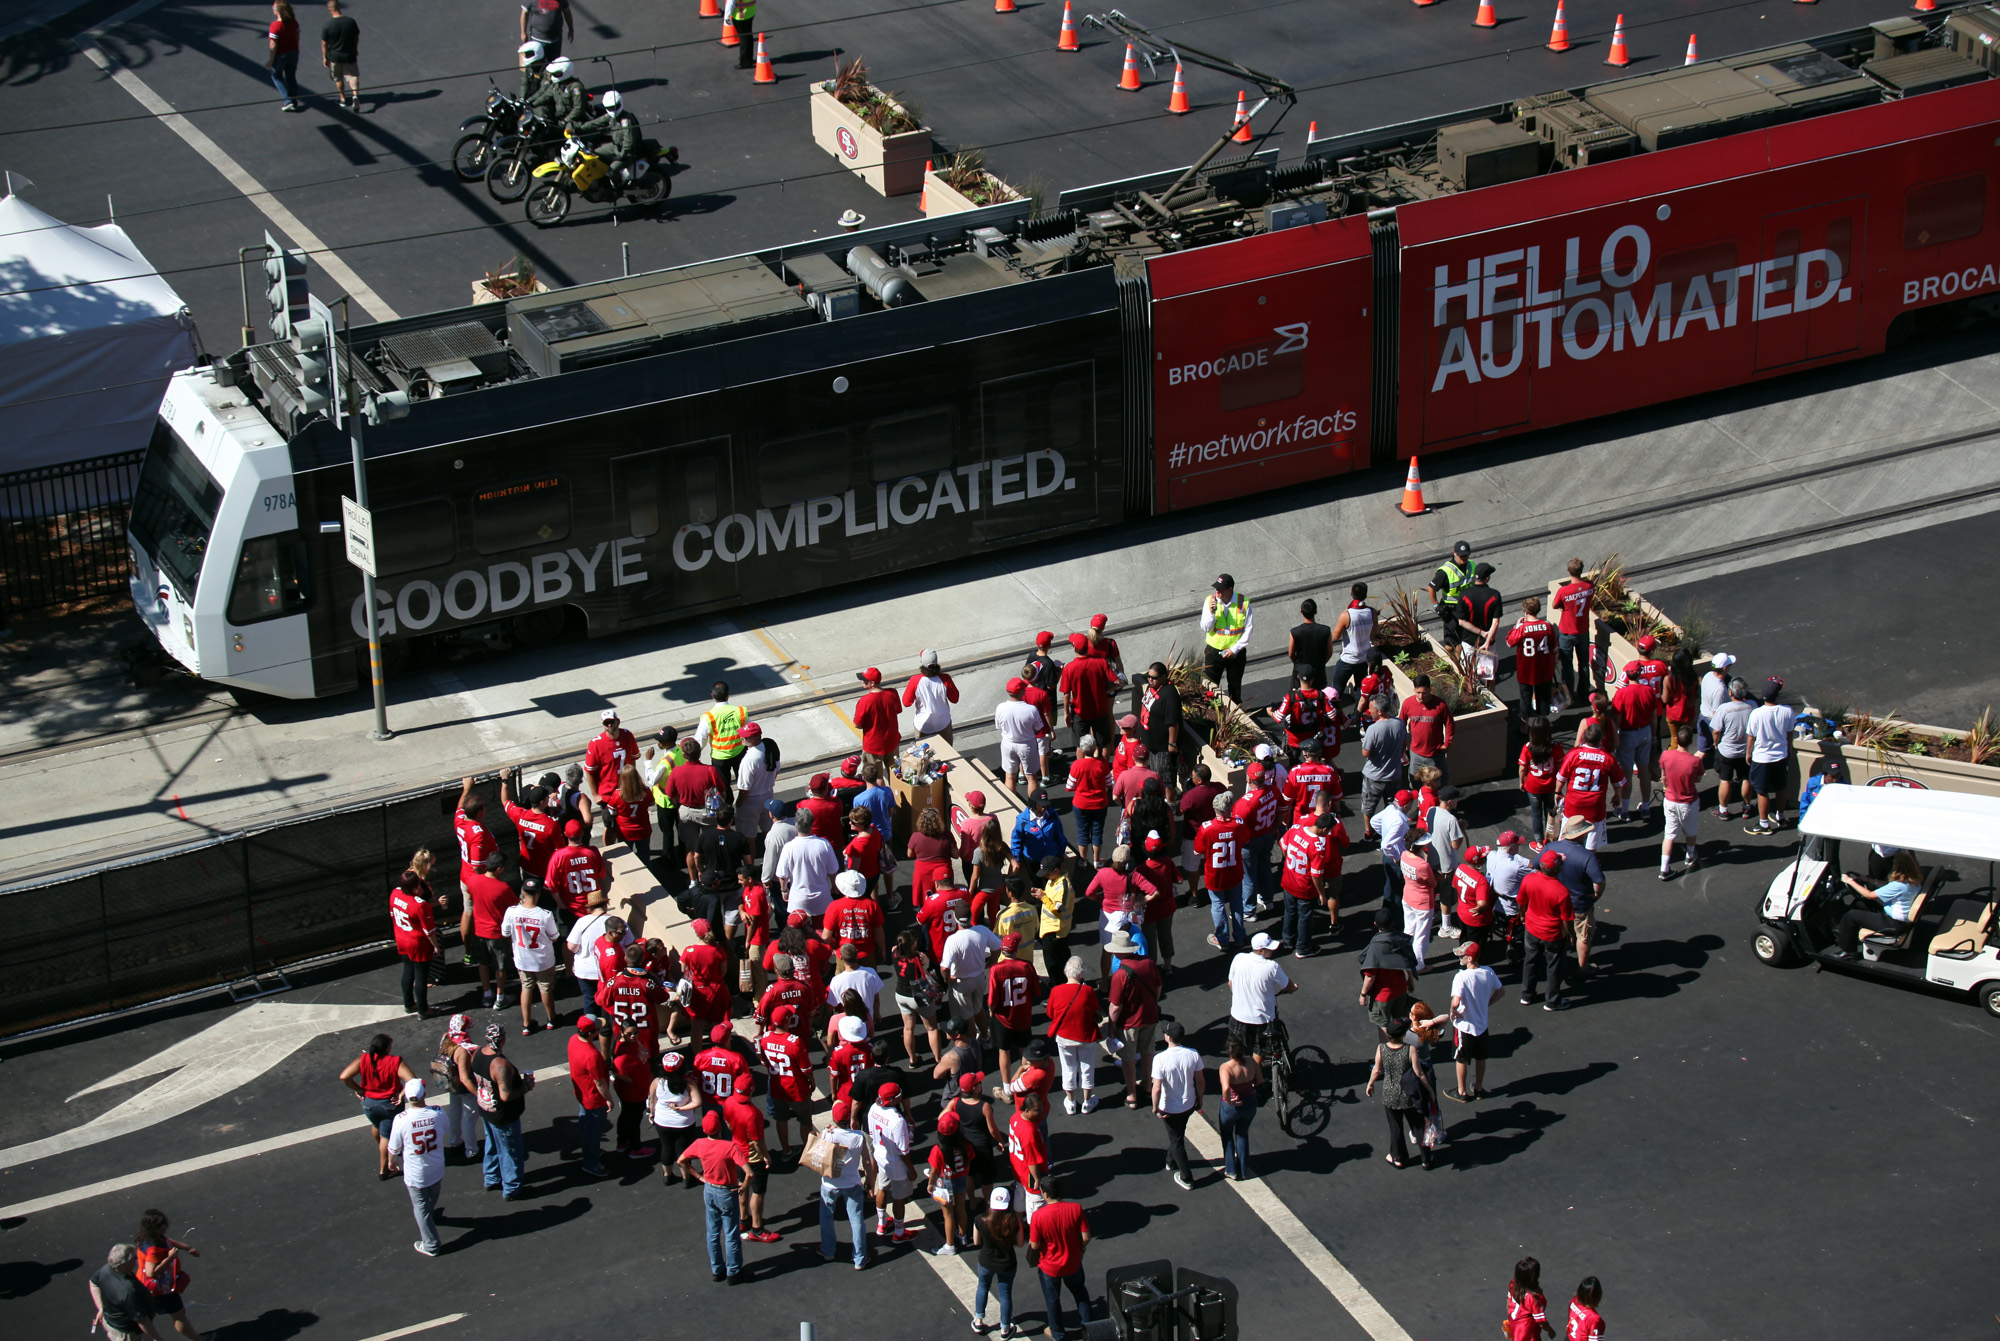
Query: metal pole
x: 354, y: 438
x: 806, y: 1331
x: 626, y: 249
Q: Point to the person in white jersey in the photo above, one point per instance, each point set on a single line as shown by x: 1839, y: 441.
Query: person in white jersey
x: 1354, y: 630
x: 416, y: 1145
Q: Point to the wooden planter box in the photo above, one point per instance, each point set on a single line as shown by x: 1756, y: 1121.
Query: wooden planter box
x: 892, y: 164
x: 1892, y: 768
x: 482, y: 294
x: 941, y: 198
x: 1478, y: 739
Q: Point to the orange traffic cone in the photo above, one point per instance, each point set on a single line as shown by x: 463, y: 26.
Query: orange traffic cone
x: 1003, y: 6
x: 1422, y: 3
x: 1177, y: 102
x: 1559, y: 35
x: 1242, y: 135
x: 1692, y: 56
x: 1129, y: 79
x: 764, y: 73
x: 1486, y: 18
x: 1924, y: 6
x: 1413, y: 504
x: 1619, y: 55
x: 710, y: 10
x: 1067, y: 42
x: 924, y: 196
x: 730, y: 37
x: 1312, y: 132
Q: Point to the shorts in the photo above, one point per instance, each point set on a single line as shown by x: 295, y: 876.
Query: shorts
x: 1767, y: 779
x: 783, y: 1109
x: 1635, y: 748
x: 1599, y: 835
x: 983, y: 1165
x: 1139, y: 1040
x: 495, y: 952
x: 1089, y: 827
x: 1011, y: 1040
x: 899, y: 1189
x: 344, y: 70
x: 1471, y: 1047
x: 908, y: 1006
x: 1731, y: 770
x: 543, y: 978
x: 967, y: 1000
x: 1681, y: 819
x: 1586, y: 920
x: 1023, y: 757
x: 167, y: 1305
x: 947, y: 1190
x: 381, y: 1114
x: 1251, y: 1034
x: 757, y: 1178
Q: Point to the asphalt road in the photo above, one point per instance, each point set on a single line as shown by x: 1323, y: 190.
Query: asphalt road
x: 1729, y: 1148
x: 376, y: 186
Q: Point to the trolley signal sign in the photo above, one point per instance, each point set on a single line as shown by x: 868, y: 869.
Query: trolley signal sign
x: 357, y: 524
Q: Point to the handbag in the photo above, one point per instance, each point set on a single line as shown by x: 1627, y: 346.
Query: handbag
x: 1412, y: 1083
x: 821, y: 1155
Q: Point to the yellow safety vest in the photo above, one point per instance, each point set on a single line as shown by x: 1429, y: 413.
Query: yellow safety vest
x: 725, y: 730
x: 1457, y: 579
x: 1229, y: 622
x: 661, y: 798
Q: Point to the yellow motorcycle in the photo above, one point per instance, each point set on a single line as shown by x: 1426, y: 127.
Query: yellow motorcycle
x: 575, y: 173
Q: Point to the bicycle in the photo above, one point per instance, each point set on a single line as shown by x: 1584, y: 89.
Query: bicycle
x: 1277, y: 1051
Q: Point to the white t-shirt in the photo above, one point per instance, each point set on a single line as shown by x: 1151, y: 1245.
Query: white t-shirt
x: 1475, y: 989
x: 850, y: 1159
x: 417, y: 1139
x: 1017, y: 722
x: 533, y: 933
x: 932, y: 704
x: 1771, y: 733
x: 864, y: 980
x: 1392, y: 826
x: 1175, y: 1069
x: 965, y: 952
x: 809, y: 864
x: 1254, y: 984
x: 583, y: 939
x: 757, y: 783
x: 889, y: 1134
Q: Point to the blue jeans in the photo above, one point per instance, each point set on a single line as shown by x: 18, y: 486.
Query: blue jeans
x: 1260, y: 881
x: 506, y: 1155
x: 591, y: 1124
x: 1225, y: 909
x: 1234, y: 1120
x: 1573, y: 661
x: 1089, y: 827
x: 1392, y: 878
x: 834, y: 1201
x: 1003, y: 1290
x: 1052, y: 1288
x: 285, y: 75
x: 1297, y: 928
x: 725, y: 1229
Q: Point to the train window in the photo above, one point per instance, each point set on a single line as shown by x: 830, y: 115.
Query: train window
x: 173, y: 509
x: 919, y: 443
x: 811, y: 465
x: 1944, y: 211
x: 635, y: 482
x: 1048, y: 409
x: 273, y: 578
x: 515, y: 516
x: 414, y: 535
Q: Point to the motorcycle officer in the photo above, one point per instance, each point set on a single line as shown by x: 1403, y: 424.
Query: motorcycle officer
x: 560, y: 100
x: 532, y: 69
x: 613, y: 136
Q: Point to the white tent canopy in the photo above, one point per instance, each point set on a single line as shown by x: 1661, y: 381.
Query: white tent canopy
x: 89, y: 335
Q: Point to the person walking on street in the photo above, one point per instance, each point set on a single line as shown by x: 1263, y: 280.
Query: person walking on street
x: 878, y: 716
x: 501, y: 1090
x: 1447, y: 589
x: 417, y: 941
x: 1088, y: 686
x: 1160, y: 722
x: 1730, y: 724
x: 1585, y: 1322
x: 377, y: 1078
x: 720, y: 733
x: 1134, y: 1008
x: 1680, y: 779
x: 1770, y: 730
x: 1073, y: 1012
x: 1480, y: 607
x: 1404, y: 1094
x: 160, y: 1271
x: 1473, y: 990
x: 1430, y: 723
x: 1020, y: 725
x: 535, y: 944
x: 843, y: 1187
x: 1534, y: 644
x: 743, y: 15
x: 1385, y: 754
x: 930, y: 693
x: 416, y: 1146
x: 1255, y: 984
x: 1582, y: 874
x: 996, y: 1235
x: 549, y: 22
x: 283, y: 65
x: 1527, y: 1307
x: 1240, y: 1079
x: 1310, y: 879
x: 1714, y: 693
x: 590, y: 1078
x: 1573, y: 599
x: 1220, y: 847
x: 1225, y: 628
x: 1546, y: 918
x: 1309, y: 646
x: 1391, y: 825
x: 340, y: 53
x: 124, y: 1306
x: 1057, y: 1235
x: 1179, y: 1082
x: 713, y: 1160
x: 463, y: 1127
x: 1635, y: 707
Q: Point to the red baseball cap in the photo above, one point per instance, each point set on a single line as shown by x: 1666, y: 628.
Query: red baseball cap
x: 1647, y: 643
x: 1044, y: 638
x: 1508, y: 839
x: 818, y: 782
x: 1155, y: 843
x: 872, y: 676
x: 843, y: 1109
x: 751, y: 731
x: 1011, y: 941
x: 970, y: 1081
x: 719, y: 1034
x: 1552, y: 860
x: 947, y: 1122
x: 890, y: 1090
x: 975, y: 799
x: 1403, y: 798
x: 851, y: 765
x: 711, y: 1123
x: 785, y: 1016
x: 1129, y: 722
x: 1078, y: 642
x: 1370, y: 683
x: 1098, y: 622
x: 1469, y: 951
x: 700, y: 927
x: 573, y: 829
x: 1255, y: 772
x: 674, y: 1061
x: 799, y: 918
x: 1016, y: 685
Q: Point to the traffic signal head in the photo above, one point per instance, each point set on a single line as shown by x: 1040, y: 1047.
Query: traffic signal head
x: 315, y: 374
x: 285, y: 287
x: 387, y: 405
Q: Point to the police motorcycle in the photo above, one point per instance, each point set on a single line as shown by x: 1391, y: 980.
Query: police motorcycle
x: 575, y: 173
x: 512, y: 170
x: 473, y: 155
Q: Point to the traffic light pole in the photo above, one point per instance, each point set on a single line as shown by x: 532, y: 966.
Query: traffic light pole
x: 357, y: 420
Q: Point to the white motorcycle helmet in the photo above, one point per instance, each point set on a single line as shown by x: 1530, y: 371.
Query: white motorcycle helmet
x: 531, y: 52
x: 559, y: 68
x: 612, y: 100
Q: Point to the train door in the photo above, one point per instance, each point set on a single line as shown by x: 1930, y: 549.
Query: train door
x: 683, y: 499
x: 1805, y: 293
x: 1039, y: 432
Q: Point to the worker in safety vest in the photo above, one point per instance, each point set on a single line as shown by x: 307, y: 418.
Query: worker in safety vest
x: 721, y: 729
x: 657, y: 760
x: 1448, y: 586
x: 1225, y: 627
x: 743, y: 13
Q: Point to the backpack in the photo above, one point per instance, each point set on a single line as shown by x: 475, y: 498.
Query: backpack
x: 157, y: 1273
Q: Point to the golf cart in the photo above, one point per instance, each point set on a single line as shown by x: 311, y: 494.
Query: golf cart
x: 1948, y: 940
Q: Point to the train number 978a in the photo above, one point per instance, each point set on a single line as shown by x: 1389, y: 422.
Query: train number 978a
x: 278, y: 502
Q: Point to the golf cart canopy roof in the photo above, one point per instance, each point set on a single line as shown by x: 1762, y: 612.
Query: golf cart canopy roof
x: 1956, y: 824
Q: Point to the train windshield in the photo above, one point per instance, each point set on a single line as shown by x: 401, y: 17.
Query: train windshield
x: 173, y: 509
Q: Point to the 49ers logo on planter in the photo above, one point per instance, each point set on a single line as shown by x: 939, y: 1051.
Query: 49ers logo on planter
x: 848, y: 144
x: 1897, y: 780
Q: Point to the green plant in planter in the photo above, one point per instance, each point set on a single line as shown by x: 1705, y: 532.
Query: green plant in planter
x: 1982, y: 742
x: 881, y: 111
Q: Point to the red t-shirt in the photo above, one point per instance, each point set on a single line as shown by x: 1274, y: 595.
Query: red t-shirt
x: 1086, y: 685
x: 1259, y: 812
x: 1680, y: 771
x: 879, y: 717
x: 1025, y: 1148
x: 1474, y: 890
x: 538, y: 836
x: 631, y: 817
x: 863, y: 853
x: 491, y: 898
x: 690, y: 784
x: 1589, y: 774
x: 791, y: 1070
x: 1164, y: 879
x: 1090, y: 784
x: 756, y: 914
x: 719, y: 1069
x: 1430, y: 725
x: 854, y: 922
x: 475, y: 840
x: 1073, y: 1012
x: 575, y: 873
x: 1545, y: 906
x: 1534, y: 644
x: 1011, y: 991
x: 719, y: 1165
x: 746, y: 1124
x: 1390, y: 984
x: 1039, y: 699
x: 945, y: 911
x: 704, y: 964
x: 1304, y: 784
x: 828, y: 816
x: 284, y: 37
x: 1584, y: 1323
x: 1573, y: 606
x: 1308, y: 853
x: 605, y: 758
x: 587, y: 1067
x: 414, y: 923
x: 1220, y: 846
x: 633, y: 1001
x: 1635, y: 705
x: 1539, y: 779
x: 1057, y: 1230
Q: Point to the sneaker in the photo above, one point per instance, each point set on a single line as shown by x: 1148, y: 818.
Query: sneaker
x: 1454, y: 1094
x: 1069, y: 1105
x: 764, y: 1236
x: 486, y: 1001
x: 1213, y: 943
x: 980, y: 1325
x: 1009, y: 1332
x: 862, y: 1265
x: 1666, y: 874
x: 882, y: 1226
x: 1527, y: 1000
x: 1760, y: 826
x: 1089, y: 1103
x: 1720, y: 813
x: 903, y: 1234
x: 945, y: 1250
x: 1691, y: 867
x: 1185, y: 1183
x: 1556, y: 1003
x: 1305, y: 954
x: 428, y: 1252
x: 1452, y: 932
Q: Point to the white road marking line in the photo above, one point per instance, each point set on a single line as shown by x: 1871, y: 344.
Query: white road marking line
x: 414, y: 1328
x: 215, y: 1159
x: 1348, y: 1292
x: 251, y: 189
x: 490, y: 735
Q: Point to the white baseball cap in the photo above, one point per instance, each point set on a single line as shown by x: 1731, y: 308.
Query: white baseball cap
x: 413, y: 1088
x: 1722, y: 661
x: 1263, y: 941
x: 608, y: 715
x: 853, y: 1028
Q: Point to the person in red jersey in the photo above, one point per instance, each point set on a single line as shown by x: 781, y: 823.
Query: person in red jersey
x: 746, y: 1133
x: 488, y: 898
x: 786, y: 990
x: 1035, y: 1078
x: 535, y: 825
x: 634, y: 1003
x: 863, y: 853
x: 1027, y: 1148
x: 705, y: 966
x: 590, y: 1078
x: 719, y: 1068
x: 416, y: 941
x: 1534, y: 642
x: 1087, y: 685
x: 1646, y: 668
x: 878, y: 717
x: 609, y: 951
x: 790, y: 1069
x: 1058, y: 1233
x: 1573, y: 600
x: 1538, y: 764
x: 1547, y: 919
x: 1635, y: 706
x: 1309, y: 780
x: 1587, y: 777
x: 854, y: 918
x: 1303, y: 714
x: 1311, y: 878
x: 1258, y: 809
x: 1585, y: 1322
x: 829, y: 814
x: 576, y: 870
x: 1160, y: 870
x: 850, y: 1058
x: 1527, y: 1307
x: 475, y: 843
x: 949, y: 1170
x: 1219, y: 846
x: 628, y: 813
x: 944, y: 912
x: 1430, y: 722
x: 1474, y: 895
x: 754, y: 908
x: 1131, y: 749
x: 811, y: 960
x: 608, y: 754
x: 1012, y: 988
